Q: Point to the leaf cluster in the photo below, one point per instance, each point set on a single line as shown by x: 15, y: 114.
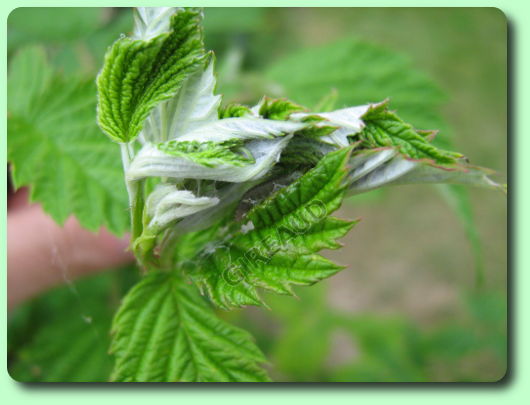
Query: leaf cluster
x: 233, y: 199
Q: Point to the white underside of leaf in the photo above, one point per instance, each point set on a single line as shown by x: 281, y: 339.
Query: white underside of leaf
x: 194, y: 105
x: 470, y: 175
x: 378, y: 168
x: 151, y: 162
x: 241, y: 128
x: 150, y: 22
x: 227, y: 197
x: 166, y: 204
x: 339, y: 137
x: 348, y: 120
x: 365, y: 162
x: 346, y: 117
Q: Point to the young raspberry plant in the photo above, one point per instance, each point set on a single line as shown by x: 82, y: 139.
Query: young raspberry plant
x: 225, y: 201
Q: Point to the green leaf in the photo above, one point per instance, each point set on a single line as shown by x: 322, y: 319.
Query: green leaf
x: 278, y: 109
x: 275, y: 247
x: 209, y: 154
x: 233, y: 110
x: 139, y: 74
x: 384, y: 128
x: 55, y: 147
x: 29, y: 79
x: 165, y: 332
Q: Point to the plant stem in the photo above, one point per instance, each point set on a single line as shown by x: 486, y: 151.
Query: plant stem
x: 134, y: 190
x: 126, y: 157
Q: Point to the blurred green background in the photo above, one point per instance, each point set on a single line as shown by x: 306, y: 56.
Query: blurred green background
x: 407, y: 307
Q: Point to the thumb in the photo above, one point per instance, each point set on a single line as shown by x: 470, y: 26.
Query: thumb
x: 42, y: 254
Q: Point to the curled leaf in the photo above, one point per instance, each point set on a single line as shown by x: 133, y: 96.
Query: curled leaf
x: 209, y: 154
x: 242, y: 128
x: 138, y: 74
x: 370, y: 169
x: 152, y: 162
x: 193, y: 105
x: 167, y: 203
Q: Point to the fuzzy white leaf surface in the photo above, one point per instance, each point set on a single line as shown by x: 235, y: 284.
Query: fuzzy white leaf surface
x: 194, y: 106
x: 167, y: 203
x: 151, y: 162
x: 384, y: 167
x: 348, y: 120
x: 242, y: 128
x: 149, y: 22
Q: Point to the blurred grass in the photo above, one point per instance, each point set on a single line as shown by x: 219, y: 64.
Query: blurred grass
x: 406, y: 307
